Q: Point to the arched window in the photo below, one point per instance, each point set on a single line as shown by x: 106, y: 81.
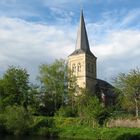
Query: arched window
x: 73, y: 68
x: 79, y: 67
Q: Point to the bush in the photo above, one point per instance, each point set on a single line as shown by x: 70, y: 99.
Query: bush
x: 41, y: 121
x: 92, y: 112
x: 2, y: 126
x: 66, y: 112
x: 43, y: 131
x: 62, y: 122
x: 44, y: 126
x: 18, y: 121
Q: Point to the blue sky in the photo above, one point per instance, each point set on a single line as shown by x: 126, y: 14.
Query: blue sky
x: 34, y: 32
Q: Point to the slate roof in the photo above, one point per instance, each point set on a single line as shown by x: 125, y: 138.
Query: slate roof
x: 106, y: 87
x: 82, y: 43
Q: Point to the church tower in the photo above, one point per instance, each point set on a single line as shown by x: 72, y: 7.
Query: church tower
x: 82, y: 62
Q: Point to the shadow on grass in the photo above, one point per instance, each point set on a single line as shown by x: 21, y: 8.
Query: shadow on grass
x: 128, y: 136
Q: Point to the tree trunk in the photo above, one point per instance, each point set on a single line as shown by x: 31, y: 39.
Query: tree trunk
x: 136, y: 107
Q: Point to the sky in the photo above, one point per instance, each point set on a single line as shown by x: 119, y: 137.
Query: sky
x: 36, y: 32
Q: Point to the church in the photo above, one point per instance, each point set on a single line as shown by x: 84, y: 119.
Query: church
x: 82, y: 62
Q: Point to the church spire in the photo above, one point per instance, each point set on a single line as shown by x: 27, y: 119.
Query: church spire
x: 82, y: 39
x: 82, y: 44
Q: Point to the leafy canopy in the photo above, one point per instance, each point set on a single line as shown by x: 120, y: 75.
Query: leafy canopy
x: 14, y: 87
x: 54, y: 80
x: 129, y: 85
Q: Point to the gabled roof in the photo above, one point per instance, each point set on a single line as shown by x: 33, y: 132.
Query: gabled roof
x: 82, y: 43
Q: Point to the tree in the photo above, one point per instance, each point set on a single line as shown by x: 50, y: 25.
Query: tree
x: 90, y: 109
x: 17, y: 119
x: 33, y: 99
x: 14, y: 87
x: 54, y: 84
x: 129, y: 85
x: 73, y: 90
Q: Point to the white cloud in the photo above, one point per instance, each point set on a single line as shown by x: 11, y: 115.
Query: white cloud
x: 120, y: 43
x: 115, y: 43
x: 131, y: 17
x: 61, y: 15
x: 29, y: 45
x: 120, y: 53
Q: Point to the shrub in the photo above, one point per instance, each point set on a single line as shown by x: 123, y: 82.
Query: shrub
x: 18, y: 120
x: 61, y: 122
x: 2, y: 126
x: 92, y: 112
x: 44, y: 126
x: 66, y: 112
x: 41, y: 121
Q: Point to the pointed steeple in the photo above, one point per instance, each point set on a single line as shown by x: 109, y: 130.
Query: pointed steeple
x: 82, y: 44
x: 82, y: 39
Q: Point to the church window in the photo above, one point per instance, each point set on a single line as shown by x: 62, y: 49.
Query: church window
x: 73, y: 68
x: 79, y: 67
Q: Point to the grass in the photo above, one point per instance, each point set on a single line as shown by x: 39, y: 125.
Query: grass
x: 82, y: 132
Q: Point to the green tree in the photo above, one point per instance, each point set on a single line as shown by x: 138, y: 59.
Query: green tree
x: 90, y: 109
x: 73, y: 90
x: 129, y: 86
x: 14, y: 87
x: 17, y: 119
x: 54, y: 84
x: 33, y: 99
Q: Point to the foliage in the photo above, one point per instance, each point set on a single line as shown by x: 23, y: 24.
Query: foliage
x: 88, y: 108
x: 62, y: 122
x: 33, y: 99
x: 44, y: 126
x: 18, y: 120
x: 2, y: 124
x: 129, y: 86
x: 77, y: 113
x: 41, y: 121
x: 54, y: 85
x: 82, y: 132
x: 91, y: 110
x: 14, y: 87
x: 66, y: 111
x: 73, y: 89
